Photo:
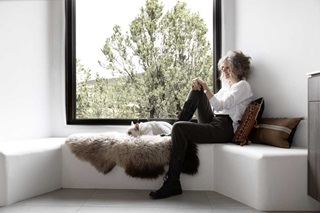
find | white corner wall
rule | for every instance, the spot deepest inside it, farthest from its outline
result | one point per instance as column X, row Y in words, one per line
column 25, row 66
column 282, row 37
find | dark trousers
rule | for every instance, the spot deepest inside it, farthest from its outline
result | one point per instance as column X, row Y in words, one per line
column 209, row 129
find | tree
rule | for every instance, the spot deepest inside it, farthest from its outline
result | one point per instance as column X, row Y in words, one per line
column 154, row 62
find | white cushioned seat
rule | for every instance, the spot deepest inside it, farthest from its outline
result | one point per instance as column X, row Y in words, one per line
column 264, row 177
column 80, row 174
column 29, row 168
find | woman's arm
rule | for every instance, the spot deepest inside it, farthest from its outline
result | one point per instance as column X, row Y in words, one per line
column 237, row 93
column 198, row 84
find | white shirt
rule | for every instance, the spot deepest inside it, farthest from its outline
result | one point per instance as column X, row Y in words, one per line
column 232, row 100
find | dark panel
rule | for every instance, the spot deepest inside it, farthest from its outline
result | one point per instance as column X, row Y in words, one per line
column 312, row 175
column 314, row 137
column 314, row 87
column 314, row 126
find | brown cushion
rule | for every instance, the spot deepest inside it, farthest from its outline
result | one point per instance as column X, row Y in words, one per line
column 277, row 132
column 250, row 117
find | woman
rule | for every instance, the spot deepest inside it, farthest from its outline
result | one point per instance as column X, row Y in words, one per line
column 218, row 115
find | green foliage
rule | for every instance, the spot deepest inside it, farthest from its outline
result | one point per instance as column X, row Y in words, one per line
column 152, row 65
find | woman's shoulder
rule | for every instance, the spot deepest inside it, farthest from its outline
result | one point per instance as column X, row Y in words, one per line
column 243, row 83
column 243, row 87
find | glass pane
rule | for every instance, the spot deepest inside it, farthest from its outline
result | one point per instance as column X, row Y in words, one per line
column 135, row 59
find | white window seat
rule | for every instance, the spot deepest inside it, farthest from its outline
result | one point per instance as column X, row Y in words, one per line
column 263, row 177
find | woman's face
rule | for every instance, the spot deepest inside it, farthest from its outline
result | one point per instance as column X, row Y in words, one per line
column 226, row 70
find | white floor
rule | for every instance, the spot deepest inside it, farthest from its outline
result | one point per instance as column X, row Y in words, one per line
column 97, row 200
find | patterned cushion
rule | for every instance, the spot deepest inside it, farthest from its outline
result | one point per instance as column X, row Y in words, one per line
column 251, row 116
column 277, row 132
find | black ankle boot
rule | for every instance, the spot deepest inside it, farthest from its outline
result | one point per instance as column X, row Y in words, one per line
column 171, row 185
column 187, row 111
column 170, row 188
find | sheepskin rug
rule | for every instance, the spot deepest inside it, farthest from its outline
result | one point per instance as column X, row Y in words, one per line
column 141, row 157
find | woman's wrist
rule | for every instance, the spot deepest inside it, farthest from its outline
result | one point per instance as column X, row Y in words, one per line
column 208, row 93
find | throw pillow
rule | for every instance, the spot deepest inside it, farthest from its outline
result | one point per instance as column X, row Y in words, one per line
column 251, row 116
column 277, row 132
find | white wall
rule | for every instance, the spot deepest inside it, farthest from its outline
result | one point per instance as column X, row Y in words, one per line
column 282, row 37
column 25, row 69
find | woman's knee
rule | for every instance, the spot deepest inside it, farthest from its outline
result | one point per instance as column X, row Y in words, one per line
column 180, row 130
column 194, row 95
column 179, row 136
column 178, row 126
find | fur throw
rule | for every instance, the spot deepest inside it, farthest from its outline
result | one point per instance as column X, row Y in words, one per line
column 141, row 157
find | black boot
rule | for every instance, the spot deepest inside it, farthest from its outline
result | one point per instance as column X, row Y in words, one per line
column 171, row 185
column 187, row 111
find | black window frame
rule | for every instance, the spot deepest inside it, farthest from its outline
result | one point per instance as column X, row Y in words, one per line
column 70, row 66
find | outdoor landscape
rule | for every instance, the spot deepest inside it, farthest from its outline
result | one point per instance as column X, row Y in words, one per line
column 149, row 66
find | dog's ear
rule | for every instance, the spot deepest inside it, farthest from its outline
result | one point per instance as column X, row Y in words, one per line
column 137, row 126
column 132, row 123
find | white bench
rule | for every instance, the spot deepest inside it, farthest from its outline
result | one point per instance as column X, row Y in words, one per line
column 80, row 174
column 263, row 177
column 29, row 168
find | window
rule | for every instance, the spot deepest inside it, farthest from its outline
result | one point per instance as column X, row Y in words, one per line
column 134, row 62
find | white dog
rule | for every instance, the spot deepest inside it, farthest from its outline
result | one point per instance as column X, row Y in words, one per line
column 149, row 128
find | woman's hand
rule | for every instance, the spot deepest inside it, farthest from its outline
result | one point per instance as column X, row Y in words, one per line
column 198, row 84
column 195, row 84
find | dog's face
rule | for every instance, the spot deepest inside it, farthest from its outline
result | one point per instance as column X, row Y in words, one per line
column 133, row 130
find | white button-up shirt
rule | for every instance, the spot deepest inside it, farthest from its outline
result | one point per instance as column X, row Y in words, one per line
column 232, row 100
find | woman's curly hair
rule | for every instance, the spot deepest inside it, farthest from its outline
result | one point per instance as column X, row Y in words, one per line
column 239, row 64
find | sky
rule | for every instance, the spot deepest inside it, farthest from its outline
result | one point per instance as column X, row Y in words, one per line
column 95, row 19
